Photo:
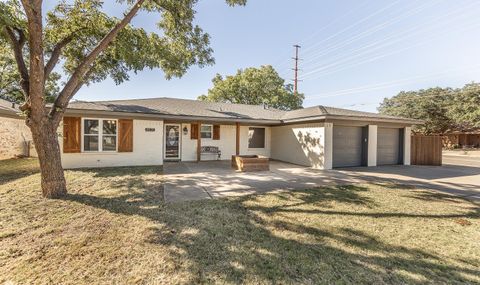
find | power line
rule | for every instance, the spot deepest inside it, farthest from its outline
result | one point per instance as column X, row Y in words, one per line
column 336, row 19
column 395, row 83
column 372, row 47
column 371, row 59
column 307, row 50
column 336, row 46
column 352, row 25
column 356, row 59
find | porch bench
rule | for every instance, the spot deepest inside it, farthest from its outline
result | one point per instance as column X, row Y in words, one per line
column 211, row 150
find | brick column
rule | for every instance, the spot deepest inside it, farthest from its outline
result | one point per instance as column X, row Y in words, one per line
column 372, row 145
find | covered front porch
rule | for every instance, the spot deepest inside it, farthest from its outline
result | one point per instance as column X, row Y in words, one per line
column 195, row 141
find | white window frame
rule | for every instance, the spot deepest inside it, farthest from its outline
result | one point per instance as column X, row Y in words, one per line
column 264, row 138
column 211, row 131
column 100, row 136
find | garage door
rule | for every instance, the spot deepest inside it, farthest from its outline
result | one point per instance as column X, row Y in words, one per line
column 347, row 146
column 388, row 146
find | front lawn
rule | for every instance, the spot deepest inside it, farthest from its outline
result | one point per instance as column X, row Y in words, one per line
column 114, row 228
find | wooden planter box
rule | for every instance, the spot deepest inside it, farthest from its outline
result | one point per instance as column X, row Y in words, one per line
column 250, row 163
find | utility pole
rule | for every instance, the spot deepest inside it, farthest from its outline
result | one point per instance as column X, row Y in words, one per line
column 295, row 81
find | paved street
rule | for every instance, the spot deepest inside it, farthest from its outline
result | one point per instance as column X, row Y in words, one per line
column 461, row 160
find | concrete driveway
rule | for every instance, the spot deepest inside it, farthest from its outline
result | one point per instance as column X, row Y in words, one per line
column 204, row 180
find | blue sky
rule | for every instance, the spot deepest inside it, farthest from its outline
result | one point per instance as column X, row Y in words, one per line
column 354, row 53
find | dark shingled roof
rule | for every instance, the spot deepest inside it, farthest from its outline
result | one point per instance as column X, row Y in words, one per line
column 184, row 107
column 317, row 111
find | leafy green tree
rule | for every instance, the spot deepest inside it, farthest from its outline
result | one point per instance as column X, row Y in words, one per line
column 254, row 86
column 90, row 45
column 9, row 77
column 430, row 105
column 465, row 108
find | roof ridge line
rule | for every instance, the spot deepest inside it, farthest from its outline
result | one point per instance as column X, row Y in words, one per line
column 182, row 99
column 323, row 109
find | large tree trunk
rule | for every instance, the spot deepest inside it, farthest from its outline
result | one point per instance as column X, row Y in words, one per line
column 46, row 143
column 42, row 123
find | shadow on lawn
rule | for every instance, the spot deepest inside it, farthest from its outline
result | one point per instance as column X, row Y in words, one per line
column 107, row 172
column 138, row 196
column 243, row 243
column 231, row 240
column 17, row 168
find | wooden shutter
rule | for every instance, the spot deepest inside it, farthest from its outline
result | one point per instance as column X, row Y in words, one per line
column 71, row 134
column 125, row 135
column 194, row 130
column 216, row 132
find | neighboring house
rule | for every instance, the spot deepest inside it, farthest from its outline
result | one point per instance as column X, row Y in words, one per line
column 151, row 131
column 459, row 139
column 15, row 136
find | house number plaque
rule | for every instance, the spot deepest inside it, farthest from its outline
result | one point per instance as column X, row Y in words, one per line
column 149, row 129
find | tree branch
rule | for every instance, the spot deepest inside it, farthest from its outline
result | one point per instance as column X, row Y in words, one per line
column 72, row 85
column 81, row 82
column 17, row 45
column 57, row 50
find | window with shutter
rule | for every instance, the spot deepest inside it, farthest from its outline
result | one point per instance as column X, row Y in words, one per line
column 99, row 135
column 206, row 131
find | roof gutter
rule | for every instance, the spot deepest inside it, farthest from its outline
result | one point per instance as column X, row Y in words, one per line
column 354, row 118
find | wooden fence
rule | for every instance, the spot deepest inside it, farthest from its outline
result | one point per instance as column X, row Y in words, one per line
column 426, row 150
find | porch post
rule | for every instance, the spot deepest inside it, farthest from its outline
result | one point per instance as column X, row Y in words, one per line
column 237, row 139
column 199, row 141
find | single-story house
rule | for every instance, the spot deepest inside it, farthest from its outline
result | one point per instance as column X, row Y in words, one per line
column 151, row 131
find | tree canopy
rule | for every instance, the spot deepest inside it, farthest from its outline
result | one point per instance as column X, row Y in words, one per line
column 73, row 29
column 10, row 88
column 254, row 86
column 442, row 109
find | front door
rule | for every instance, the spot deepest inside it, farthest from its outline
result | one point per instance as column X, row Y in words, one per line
column 172, row 142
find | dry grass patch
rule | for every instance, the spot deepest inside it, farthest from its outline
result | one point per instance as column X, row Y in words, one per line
column 114, row 228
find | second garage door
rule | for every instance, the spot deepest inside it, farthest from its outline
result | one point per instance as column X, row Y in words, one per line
column 347, row 146
column 388, row 146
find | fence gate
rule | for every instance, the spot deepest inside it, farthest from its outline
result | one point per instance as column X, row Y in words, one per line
column 426, row 150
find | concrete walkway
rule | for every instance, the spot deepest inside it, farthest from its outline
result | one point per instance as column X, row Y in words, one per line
column 179, row 185
column 205, row 180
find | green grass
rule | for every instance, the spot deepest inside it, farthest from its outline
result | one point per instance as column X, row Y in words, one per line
column 114, row 228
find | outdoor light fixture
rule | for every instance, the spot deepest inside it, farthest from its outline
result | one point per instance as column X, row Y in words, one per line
column 185, row 131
